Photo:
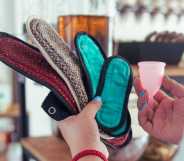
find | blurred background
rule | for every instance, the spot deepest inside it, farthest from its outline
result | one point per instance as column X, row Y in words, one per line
column 135, row 29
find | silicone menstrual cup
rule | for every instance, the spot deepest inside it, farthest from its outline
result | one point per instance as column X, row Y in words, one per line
column 151, row 75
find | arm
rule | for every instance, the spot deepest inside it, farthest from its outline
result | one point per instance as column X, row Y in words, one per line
column 81, row 131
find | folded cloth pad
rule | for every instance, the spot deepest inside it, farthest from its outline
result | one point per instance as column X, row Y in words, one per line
column 91, row 57
column 114, row 87
column 27, row 60
column 58, row 55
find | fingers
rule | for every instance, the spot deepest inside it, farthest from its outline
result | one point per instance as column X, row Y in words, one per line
column 175, row 88
column 143, row 100
column 64, row 122
column 161, row 95
column 90, row 111
column 92, row 107
column 138, row 86
column 143, row 97
column 146, row 117
column 146, row 112
column 165, row 111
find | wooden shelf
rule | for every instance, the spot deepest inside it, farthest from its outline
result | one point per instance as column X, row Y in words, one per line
column 3, row 157
column 170, row 70
column 9, row 114
column 52, row 148
column 46, row 149
column 13, row 111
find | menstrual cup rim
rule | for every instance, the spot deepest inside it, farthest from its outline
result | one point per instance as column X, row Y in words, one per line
column 151, row 63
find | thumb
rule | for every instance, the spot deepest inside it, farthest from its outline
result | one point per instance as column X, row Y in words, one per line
column 92, row 107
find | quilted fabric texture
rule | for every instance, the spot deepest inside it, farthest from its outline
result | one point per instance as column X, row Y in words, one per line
column 58, row 55
column 27, row 60
column 92, row 58
column 114, row 88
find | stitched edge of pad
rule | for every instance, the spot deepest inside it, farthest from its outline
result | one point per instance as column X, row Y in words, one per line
column 82, row 54
column 105, row 126
column 124, row 128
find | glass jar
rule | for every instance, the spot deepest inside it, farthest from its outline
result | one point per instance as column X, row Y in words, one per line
column 92, row 16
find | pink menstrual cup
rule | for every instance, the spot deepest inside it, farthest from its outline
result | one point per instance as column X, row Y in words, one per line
column 151, row 75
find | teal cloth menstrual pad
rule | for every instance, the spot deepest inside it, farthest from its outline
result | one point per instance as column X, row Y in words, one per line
column 92, row 58
column 109, row 78
column 114, row 88
column 125, row 127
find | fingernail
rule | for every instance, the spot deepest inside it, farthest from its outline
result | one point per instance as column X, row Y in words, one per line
column 98, row 99
column 134, row 77
column 141, row 94
column 144, row 106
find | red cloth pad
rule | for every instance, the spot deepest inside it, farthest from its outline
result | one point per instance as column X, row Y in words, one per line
column 119, row 141
column 27, row 60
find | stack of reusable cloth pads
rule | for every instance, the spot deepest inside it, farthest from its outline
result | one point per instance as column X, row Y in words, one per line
column 74, row 77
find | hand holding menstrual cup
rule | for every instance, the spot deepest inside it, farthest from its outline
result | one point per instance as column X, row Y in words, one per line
column 151, row 75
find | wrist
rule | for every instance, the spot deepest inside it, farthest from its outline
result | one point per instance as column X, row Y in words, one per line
column 90, row 158
column 90, row 154
column 80, row 147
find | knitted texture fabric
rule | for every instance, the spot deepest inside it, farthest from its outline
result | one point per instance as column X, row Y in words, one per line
column 58, row 55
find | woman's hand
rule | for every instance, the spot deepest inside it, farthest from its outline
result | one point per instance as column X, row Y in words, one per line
column 81, row 131
column 164, row 117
